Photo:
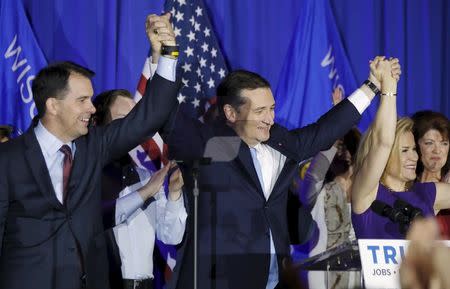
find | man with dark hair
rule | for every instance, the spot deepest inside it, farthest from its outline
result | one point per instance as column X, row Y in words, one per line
column 131, row 242
column 50, row 193
column 242, row 219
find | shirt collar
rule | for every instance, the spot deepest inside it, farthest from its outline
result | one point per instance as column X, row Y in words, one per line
column 49, row 143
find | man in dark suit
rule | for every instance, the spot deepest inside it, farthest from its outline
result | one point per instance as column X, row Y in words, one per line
column 50, row 209
column 242, row 219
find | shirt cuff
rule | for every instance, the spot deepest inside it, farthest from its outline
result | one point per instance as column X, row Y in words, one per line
column 153, row 67
column 360, row 100
column 127, row 205
column 167, row 68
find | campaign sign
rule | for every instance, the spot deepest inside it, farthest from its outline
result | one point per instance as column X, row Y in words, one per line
column 380, row 260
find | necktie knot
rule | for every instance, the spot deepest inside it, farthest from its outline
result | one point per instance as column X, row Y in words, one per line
column 66, row 150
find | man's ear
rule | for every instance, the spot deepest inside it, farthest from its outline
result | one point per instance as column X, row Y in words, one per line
column 230, row 113
column 51, row 106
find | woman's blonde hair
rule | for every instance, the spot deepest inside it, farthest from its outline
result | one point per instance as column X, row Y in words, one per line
column 404, row 124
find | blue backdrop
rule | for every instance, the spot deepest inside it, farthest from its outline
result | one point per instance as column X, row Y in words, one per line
column 108, row 36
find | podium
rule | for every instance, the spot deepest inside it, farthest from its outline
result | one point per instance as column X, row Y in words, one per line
column 344, row 257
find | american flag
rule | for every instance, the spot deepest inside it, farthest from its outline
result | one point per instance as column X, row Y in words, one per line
column 201, row 64
column 201, row 67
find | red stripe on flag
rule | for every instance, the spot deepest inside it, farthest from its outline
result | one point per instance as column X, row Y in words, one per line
column 142, row 84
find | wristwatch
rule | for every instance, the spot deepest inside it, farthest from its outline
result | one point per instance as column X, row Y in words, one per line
column 173, row 51
column 372, row 86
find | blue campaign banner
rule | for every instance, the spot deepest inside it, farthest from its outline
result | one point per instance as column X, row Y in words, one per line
column 21, row 58
column 315, row 65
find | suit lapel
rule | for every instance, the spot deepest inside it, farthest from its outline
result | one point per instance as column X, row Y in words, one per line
column 39, row 169
column 244, row 158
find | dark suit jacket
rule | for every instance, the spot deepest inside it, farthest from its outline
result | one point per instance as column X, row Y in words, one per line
column 38, row 234
column 234, row 217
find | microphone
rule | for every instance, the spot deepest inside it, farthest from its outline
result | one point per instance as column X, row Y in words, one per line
column 385, row 210
column 407, row 209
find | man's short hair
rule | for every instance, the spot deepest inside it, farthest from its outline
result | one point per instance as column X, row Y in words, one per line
column 230, row 88
column 52, row 82
column 103, row 102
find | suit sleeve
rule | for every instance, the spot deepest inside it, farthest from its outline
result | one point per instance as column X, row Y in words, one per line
column 146, row 118
column 315, row 176
column 307, row 141
column 187, row 138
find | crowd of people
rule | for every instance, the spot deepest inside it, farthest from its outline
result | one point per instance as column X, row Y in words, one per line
column 77, row 212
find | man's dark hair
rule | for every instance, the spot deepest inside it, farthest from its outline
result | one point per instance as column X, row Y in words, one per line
column 52, row 81
column 103, row 102
column 424, row 120
column 230, row 88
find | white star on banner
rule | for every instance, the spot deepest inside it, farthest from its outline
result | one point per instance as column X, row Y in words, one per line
column 191, row 36
column 199, row 11
column 212, row 67
column 177, row 31
column 214, row 52
column 196, row 102
column 197, row 26
column 205, row 47
column 202, row 62
column 185, row 82
column 181, row 98
column 189, row 51
column 186, row 67
column 207, row 32
column 197, row 87
column 222, row 73
column 182, row 2
column 179, row 16
column 211, row 82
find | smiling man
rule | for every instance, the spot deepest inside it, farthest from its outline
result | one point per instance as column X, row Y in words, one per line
column 50, row 193
column 242, row 206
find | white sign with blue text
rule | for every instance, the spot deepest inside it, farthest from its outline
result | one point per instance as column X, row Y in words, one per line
column 380, row 260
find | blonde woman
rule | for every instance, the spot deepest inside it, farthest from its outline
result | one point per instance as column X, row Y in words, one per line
column 385, row 166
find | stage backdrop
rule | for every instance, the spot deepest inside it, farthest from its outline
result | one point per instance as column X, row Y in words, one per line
column 108, row 36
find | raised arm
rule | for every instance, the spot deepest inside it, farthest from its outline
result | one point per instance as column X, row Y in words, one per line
column 379, row 138
column 315, row 176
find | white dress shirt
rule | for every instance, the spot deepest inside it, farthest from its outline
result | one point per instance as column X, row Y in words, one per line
column 135, row 236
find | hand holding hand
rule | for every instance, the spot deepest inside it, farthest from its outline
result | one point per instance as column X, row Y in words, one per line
column 159, row 32
column 154, row 184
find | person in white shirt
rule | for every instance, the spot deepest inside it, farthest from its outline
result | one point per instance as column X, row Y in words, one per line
column 131, row 241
